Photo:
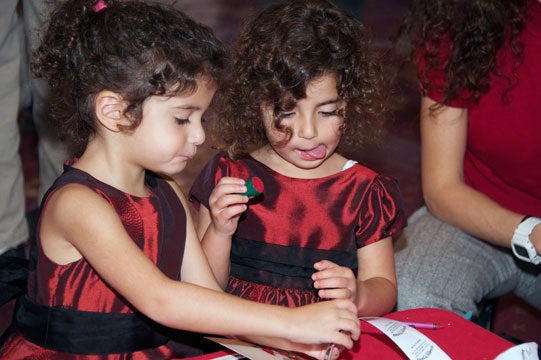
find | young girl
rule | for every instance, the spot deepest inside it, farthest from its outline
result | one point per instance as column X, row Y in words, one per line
column 131, row 82
column 304, row 81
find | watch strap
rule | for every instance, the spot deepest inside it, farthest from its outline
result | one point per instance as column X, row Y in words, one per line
column 522, row 232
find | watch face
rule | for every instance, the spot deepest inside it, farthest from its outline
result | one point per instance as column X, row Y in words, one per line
column 521, row 251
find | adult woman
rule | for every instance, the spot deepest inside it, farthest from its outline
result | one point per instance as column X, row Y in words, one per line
column 477, row 64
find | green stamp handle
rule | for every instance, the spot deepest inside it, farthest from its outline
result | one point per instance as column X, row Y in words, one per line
column 255, row 186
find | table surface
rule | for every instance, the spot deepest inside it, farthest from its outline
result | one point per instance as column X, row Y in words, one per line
column 458, row 337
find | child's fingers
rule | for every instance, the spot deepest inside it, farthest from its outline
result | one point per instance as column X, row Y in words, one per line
column 347, row 335
column 228, row 186
column 344, row 278
column 223, row 202
column 231, row 180
column 341, row 293
column 230, row 212
column 341, row 287
column 350, row 330
column 348, row 322
column 335, row 277
column 324, row 264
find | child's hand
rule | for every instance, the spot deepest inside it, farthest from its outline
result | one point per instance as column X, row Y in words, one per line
column 318, row 351
column 334, row 282
column 227, row 204
column 326, row 322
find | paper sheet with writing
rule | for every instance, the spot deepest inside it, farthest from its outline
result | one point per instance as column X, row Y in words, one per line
column 413, row 343
column 525, row 351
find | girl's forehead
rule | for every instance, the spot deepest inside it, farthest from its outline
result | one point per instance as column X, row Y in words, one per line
column 325, row 83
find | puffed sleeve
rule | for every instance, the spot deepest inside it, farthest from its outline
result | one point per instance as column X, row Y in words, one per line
column 212, row 172
column 382, row 212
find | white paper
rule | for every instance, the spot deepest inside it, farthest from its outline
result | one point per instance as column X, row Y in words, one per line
column 255, row 352
column 229, row 357
column 526, row 351
column 412, row 342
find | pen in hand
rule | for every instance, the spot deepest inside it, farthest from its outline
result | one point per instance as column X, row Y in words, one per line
column 328, row 353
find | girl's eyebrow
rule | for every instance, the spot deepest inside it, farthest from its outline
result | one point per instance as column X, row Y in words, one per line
column 334, row 101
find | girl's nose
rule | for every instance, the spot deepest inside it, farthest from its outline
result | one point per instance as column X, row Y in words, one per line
column 308, row 129
column 198, row 135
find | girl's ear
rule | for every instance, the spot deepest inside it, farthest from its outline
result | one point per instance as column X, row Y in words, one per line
column 110, row 110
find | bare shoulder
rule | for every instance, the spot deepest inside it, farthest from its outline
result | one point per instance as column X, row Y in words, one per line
column 70, row 215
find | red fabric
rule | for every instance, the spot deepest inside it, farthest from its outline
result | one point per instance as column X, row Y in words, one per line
column 78, row 286
column 297, row 222
column 503, row 148
column 270, row 294
column 459, row 338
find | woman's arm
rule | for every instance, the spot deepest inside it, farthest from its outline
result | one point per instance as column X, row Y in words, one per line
column 444, row 136
column 97, row 234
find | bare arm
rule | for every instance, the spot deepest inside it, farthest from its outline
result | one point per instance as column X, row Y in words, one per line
column 443, row 136
column 376, row 284
column 98, row 235
column 217, row 225
column 217, row 248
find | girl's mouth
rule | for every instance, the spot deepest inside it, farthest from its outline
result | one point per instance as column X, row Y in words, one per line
column 316, row 153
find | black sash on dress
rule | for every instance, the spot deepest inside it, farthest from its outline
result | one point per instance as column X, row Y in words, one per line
column 86, row 332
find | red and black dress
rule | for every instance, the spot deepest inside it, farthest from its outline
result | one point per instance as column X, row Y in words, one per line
column 71, row 313
column 297, row 222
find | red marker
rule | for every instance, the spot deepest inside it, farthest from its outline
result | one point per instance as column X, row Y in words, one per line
column 255, row 186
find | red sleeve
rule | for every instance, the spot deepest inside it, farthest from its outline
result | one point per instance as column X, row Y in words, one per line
column 432, row 83
column 383, row 212
column 212, row 172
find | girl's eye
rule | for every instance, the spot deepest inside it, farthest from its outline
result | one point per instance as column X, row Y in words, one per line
column 182, row 121
column 330, row 113
column 286, row 115
column 335, row 112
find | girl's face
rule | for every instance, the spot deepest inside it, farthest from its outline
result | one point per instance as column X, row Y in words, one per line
column 171, row 130
column 315, row 124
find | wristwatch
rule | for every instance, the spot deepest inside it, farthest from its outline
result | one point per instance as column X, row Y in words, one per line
column 521, row 244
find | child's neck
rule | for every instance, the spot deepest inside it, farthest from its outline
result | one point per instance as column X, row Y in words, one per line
column 122, row 176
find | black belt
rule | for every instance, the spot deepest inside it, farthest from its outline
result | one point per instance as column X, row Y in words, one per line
column 86, row 332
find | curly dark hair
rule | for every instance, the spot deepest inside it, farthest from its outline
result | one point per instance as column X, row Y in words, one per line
column 462, row 38
column 133, row 48
column 280, row 52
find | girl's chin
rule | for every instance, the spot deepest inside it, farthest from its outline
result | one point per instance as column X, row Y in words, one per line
column 171, row 170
